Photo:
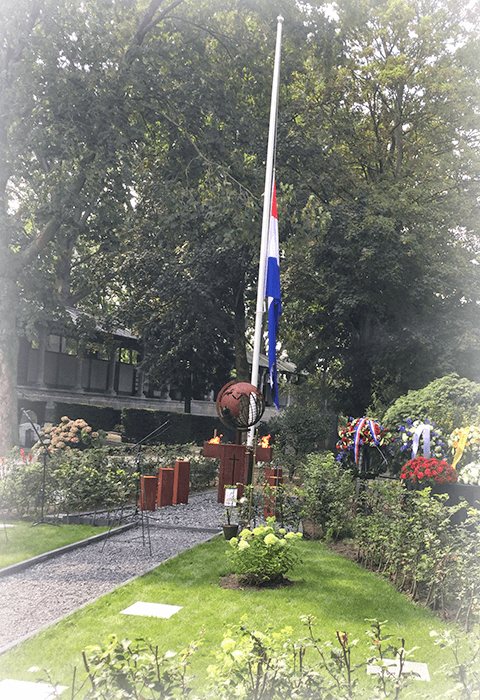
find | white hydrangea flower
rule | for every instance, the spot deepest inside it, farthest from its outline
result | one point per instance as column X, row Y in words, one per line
column 270, row 539
column 228, row 644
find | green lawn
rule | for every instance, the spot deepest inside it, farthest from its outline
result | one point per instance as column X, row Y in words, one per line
column 23, row 541
column 339, row 593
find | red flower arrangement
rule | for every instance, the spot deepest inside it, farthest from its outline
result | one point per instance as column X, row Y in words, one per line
column 430, row 471
column 347, row 436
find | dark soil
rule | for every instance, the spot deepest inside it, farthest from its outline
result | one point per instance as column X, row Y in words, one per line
column 234, row 583
column 346, row 549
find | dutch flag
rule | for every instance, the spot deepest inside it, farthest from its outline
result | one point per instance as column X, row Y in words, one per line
column 272, row 292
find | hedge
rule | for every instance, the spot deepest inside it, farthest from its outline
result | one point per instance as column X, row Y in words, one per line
column 99, row 417
column 182, row 427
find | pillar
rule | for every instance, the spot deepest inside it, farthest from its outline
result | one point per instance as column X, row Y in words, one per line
column 42, row 347
column 165, row 487
column 181, row 482
column 111, row 372
column 148, row 492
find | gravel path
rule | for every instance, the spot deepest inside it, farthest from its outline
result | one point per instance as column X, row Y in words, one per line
column 45, row 592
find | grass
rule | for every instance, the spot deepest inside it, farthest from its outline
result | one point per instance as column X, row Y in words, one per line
column 22, row 541
column 339, row 593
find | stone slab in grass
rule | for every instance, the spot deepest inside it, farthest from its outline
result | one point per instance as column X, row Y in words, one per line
column 418, row 669
column 152, row 610
column 26, row 690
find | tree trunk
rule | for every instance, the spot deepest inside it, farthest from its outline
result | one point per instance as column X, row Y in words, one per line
column 8, row 359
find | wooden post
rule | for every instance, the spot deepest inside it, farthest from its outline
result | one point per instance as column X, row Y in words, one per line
column 148, row 492
column 165, row 487
column 181, row 482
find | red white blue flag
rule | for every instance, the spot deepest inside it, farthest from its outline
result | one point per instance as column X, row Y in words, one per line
column 272, row 292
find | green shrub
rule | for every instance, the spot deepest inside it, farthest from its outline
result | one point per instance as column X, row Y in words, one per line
column 409, row 537
column 22, row 484
column 304, row 426
column 326, row 494
column 74, row 481
column 450, row 402
column 203, row 472
column 264, row 554
column 254, row 664
column 125, row 670
column 93, row 480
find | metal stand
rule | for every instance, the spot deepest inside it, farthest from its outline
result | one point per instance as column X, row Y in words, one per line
column 42, row 521
column 139, row 468
column 46, row 454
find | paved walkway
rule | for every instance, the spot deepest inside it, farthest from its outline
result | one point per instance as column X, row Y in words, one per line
column 46, row 591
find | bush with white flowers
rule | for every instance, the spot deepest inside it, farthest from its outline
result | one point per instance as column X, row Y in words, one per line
column 264, row 554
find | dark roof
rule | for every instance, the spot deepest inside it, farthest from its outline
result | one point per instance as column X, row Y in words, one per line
column 121, row 332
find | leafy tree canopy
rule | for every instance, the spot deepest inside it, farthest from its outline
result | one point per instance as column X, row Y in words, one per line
column 387, row 140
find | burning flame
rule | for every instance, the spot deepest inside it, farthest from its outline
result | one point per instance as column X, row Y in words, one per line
column 215, row 440
column 264, row 441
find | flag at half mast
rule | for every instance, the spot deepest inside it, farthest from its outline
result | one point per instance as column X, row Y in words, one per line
column 272, row 292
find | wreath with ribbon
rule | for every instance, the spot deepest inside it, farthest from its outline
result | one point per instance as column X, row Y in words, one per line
column 421, row 433
column 361, row 432
column 465, row 442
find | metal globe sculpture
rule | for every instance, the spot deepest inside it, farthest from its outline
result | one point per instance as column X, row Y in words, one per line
column 240, row 405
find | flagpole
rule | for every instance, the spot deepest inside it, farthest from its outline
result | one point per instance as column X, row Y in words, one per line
column 266, row 215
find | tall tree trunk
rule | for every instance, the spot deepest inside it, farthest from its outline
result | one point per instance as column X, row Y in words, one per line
column 8, row 358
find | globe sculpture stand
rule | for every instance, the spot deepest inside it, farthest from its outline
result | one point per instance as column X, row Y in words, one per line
column 240, row 405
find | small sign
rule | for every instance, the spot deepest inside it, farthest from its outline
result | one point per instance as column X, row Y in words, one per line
column 152, row 610
column 230, row 498
column 418, row 670
column 27, row 690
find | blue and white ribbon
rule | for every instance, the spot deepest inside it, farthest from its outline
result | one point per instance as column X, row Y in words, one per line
column 422, row 430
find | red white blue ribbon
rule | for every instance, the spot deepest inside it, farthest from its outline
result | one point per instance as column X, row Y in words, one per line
column 357, row 439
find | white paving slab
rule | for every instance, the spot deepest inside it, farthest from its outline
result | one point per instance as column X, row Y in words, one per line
column 152, row 610
column 26, row 690
column 419, row 669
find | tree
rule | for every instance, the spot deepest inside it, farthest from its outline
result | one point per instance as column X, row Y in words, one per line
column 196, row 225
column 388, row 146
column 65, row 137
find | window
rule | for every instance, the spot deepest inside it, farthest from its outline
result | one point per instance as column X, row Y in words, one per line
column 66, row 346
column 54, row 343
